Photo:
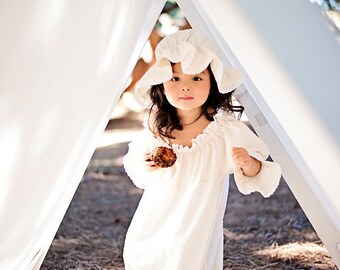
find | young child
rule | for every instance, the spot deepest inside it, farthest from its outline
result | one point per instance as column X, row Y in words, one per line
column 178, row 224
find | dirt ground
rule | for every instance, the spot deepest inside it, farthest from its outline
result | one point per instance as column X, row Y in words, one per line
column 260, row 233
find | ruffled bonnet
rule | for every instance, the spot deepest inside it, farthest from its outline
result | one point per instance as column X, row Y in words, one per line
column 195, row 52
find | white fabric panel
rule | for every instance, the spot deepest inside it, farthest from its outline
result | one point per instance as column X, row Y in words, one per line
column 290, row 94
column 63, row 66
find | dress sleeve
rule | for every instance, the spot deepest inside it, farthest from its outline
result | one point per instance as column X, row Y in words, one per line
column 133, row 161
column 268, row 178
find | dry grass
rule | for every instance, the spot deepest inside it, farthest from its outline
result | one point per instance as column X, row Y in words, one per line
column 312, row 256
column 259, row 233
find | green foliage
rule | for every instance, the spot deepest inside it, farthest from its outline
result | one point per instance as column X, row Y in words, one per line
column 333, row 5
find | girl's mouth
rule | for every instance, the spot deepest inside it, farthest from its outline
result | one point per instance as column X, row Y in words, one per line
column 186, row 98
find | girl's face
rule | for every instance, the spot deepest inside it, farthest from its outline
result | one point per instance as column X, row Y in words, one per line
column 187, row 92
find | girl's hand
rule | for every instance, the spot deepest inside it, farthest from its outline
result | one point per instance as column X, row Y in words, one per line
column 248, row 165
column 148, row 163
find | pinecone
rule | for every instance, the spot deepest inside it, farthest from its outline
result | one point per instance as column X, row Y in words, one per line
column 163, row 157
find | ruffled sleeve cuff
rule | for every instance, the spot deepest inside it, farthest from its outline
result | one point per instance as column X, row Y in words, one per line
column 266, row 181
column 135, row 170
column 133, row 161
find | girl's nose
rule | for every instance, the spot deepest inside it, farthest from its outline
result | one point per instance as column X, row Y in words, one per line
column 185, row 88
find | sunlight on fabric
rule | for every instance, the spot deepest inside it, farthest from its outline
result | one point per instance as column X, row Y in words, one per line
column 10, row 139
column 122, row 15
column 46, row 16
column 44, row 130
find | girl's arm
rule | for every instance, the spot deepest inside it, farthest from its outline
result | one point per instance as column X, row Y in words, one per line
column 252, row 170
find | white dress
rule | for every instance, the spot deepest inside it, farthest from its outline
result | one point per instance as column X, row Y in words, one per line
column 178, row 224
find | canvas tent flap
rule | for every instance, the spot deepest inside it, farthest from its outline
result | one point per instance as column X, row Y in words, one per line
column 63, row 67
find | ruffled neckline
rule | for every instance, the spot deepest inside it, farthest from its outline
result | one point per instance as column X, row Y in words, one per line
column 220, row 118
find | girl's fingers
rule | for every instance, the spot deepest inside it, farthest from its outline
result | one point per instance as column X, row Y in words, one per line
column 241, row 161
column 148, row 163
column 147, row 157
column 239, row 151
column 150, row 166
column 240, row 156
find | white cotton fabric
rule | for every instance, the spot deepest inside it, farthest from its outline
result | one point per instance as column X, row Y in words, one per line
column 178, row 224
column 195, row 52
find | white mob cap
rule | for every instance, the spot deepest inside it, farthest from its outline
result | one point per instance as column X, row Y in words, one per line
column 195, row 52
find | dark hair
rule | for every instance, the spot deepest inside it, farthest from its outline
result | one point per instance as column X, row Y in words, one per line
column 166, row 119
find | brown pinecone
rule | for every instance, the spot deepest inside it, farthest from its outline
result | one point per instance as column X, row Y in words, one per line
column 163, row 157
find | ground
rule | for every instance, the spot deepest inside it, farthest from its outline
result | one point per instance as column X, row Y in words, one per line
column 259, row 233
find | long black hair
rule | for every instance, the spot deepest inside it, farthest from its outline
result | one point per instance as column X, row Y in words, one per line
column 166, row 119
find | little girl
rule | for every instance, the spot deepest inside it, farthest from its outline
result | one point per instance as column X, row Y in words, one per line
column 178, row 224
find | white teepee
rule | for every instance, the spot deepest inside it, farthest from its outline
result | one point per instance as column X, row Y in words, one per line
column 64, row 65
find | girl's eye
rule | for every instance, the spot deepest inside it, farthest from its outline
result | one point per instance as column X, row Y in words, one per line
column 175, row 79
column 196, row 79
